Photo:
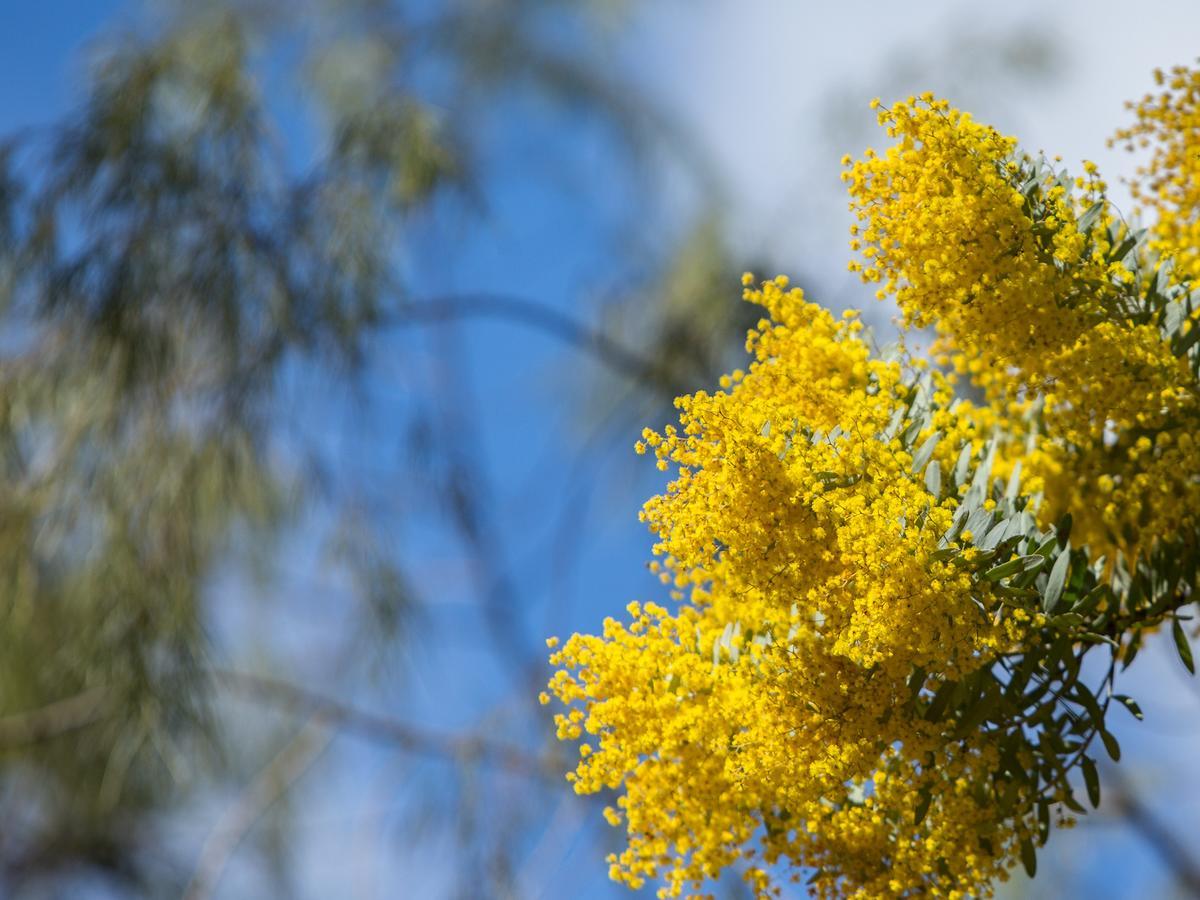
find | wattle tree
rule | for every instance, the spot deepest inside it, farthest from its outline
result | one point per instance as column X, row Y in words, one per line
column 904, row 584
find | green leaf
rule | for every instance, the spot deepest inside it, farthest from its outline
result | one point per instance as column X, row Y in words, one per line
column 1092, row 638
column 1083, row 696
column 1088, row 601
column 1013, row 566
column 1069, row 801
column 1091, row 778
column 1058, row 578
column 1119, row 252
column 979, row 523
column 933, row 478
column 925, row 451
column 1131, row 650
column 975, row 716
column 1029, row 857
column 1111, row 745
column 1130, row 704
column 1014, row 482
column 1182, row 645
column 1008, row 797
column 925, row 798
column 963, row 467
column 994, row 535
column 1043, row 819
column 1045, row 547
column 1063, row 532
column 916, row 681
column 1086, row 221
column 941, row 699
column 983, row 474
column 1181, row 344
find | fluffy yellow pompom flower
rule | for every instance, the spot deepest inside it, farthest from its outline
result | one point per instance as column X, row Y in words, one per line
column 884, row 592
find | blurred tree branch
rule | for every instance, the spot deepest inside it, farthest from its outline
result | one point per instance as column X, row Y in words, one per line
column 54, row 719
column 1157, row 836
column 169, row 273
column 296, row 757
column 301, row 700
column 612, row 353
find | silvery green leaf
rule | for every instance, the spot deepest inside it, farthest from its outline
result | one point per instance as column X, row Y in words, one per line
column 1014, row 482
column 1057, row 580
column 979, row 523
column 963, row 467
column 925, row 451
column 933, row 478
column 1090, row 217
column 994, row 535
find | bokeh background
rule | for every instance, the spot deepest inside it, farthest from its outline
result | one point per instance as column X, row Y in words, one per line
column 328, row 327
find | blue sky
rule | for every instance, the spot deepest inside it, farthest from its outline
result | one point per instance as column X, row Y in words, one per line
column 768, row 89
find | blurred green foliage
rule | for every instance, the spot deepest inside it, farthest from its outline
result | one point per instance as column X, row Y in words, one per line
column 162, row 263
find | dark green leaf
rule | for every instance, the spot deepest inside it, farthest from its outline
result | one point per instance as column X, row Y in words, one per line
column 1013, row 566
column 1092, row 638
column 925, row 798
column 916, row 681
column 1029, row 857
column 979, row 711
column 1091, row 779
column 1063, row 532
column 1058, row 578
column 1069, row 801
column 1045, row 547
column 940, row 700
column 1066, row 621
column 1119, row 252
column 1182, row 645
column 1088, row 601
column 1130, row 704
column 1131, row 650
column 1181, row 344
column 1043, row 819
column 1111, row 745
column 1083, row 696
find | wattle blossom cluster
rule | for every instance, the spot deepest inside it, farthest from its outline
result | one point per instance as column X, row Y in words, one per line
column 1169, row 185
column 870, row 675
column 1043, row 292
